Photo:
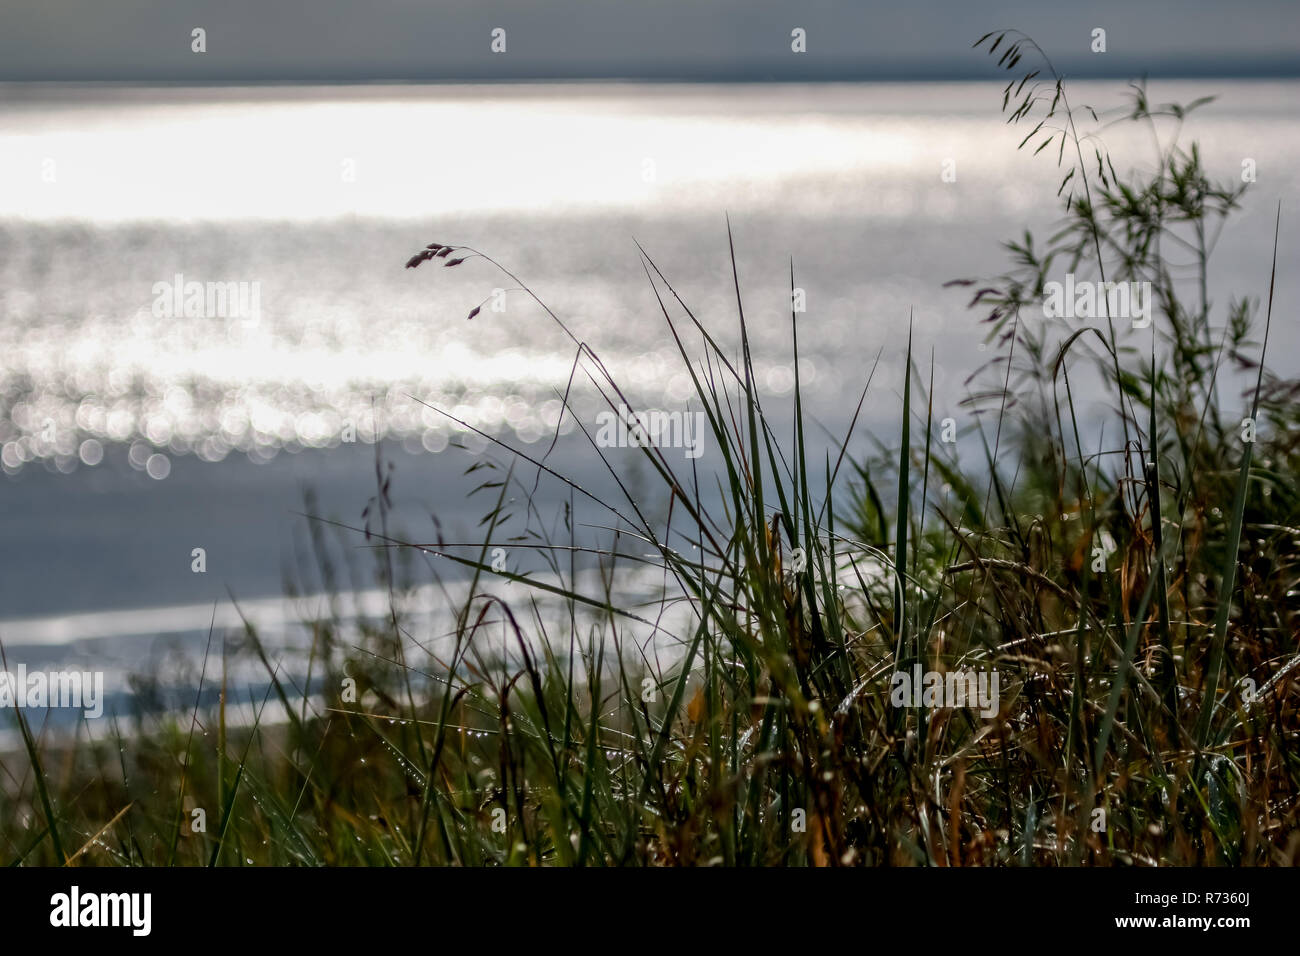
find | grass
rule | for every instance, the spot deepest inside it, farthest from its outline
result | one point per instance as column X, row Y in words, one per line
column 1136, row 597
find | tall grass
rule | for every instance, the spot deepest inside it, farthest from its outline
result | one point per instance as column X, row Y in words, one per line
column 1136, row 597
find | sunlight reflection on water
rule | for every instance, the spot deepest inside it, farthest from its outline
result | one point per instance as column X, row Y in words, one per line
column 319, row 196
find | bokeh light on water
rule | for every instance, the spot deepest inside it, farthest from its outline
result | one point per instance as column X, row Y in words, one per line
column 224, row 186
